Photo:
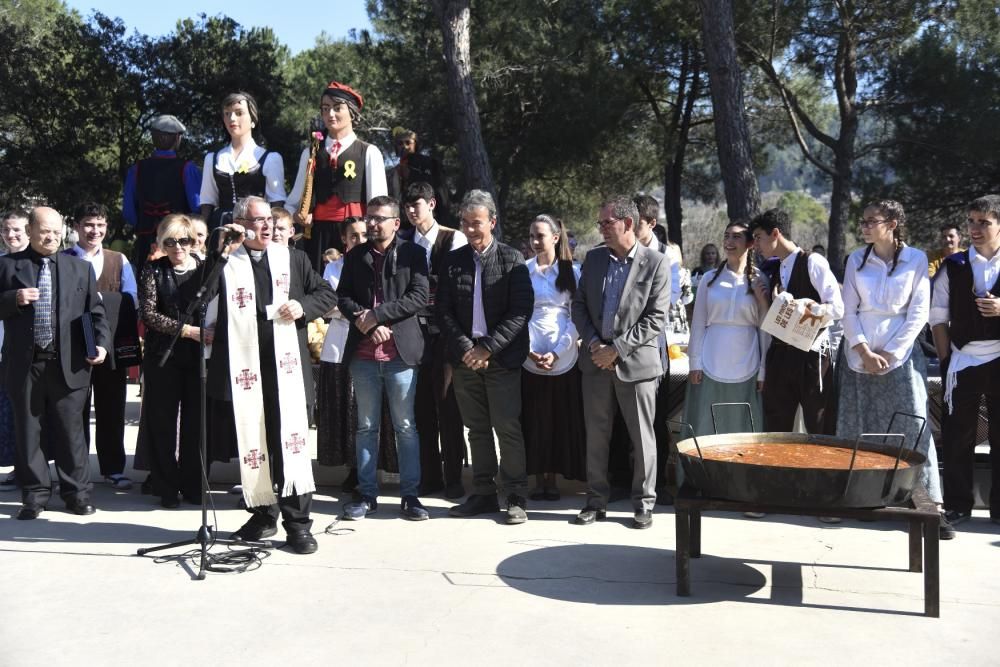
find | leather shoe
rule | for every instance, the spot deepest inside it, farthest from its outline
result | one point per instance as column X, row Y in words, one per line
column 642, row 519
column 29, row 512
column 170, row 501
column 589, row 515
column 254, row 531
column 302, row 542
column 80, row 507
column 476, row 504
column 412, row 509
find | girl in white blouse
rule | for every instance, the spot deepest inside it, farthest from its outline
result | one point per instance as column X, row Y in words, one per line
column 726, row 348
column 241, row 168
column 886, row 305
column 551, row 398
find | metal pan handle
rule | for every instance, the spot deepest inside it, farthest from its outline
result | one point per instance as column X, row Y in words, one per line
column 899, row 454
column 715, row 427
column 854, row 454
column 701, row 459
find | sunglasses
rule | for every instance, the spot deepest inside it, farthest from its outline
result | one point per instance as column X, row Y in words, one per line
column 170, row 243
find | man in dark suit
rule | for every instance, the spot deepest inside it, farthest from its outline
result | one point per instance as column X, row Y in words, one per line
column 484, row 302
column 620, row 309
column 46, row 366
column 306, row 297
column 383, row 287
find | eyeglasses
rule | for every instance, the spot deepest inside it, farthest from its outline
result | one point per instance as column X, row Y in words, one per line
column 868, row 223
column 608, row 222
column 171, row 243
column 379, row 219
column 260, row 220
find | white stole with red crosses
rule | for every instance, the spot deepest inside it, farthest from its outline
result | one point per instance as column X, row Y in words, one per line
column 245, row 372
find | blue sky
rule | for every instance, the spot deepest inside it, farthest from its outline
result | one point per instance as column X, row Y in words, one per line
column 296, row 22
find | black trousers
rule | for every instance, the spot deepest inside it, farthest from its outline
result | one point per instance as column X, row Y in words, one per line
column 107, row 392
column 959, row 436
column 438, row 416
column 45, row 398
column 166, row 389
column 793, row 378
column 322, row 236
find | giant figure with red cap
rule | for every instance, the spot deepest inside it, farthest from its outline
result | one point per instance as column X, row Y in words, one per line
column 347, row 173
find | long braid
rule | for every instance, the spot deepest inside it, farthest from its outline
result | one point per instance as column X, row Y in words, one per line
column 864, row 259
column 748, row 272
column 718, row 272
column 899, row 249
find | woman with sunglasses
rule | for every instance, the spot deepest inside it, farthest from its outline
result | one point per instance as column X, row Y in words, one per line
column 166, row 288
column 886, row 305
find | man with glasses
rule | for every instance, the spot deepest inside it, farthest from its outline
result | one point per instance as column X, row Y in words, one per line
column 117, row 287
column 965, row 321
column 382, row 289
column 484, row 302
column 796, row 377
column 259, row 371
column 346, row 174
column 620, row 309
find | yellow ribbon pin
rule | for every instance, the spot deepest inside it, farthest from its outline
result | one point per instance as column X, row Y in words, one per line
column 349, row 169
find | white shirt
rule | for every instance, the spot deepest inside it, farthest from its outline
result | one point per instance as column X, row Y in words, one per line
column 248, row 159
column 427, row 242
column 822, row 280
column 984, row 277
column 336, row 332
column 726, row 343
column 885, row 311
column 551, row 328
column 374, row 172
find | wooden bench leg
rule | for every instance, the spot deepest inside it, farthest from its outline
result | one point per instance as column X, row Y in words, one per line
column 696, row 534
column 682, row 555
column 932, row 568
column 916, row 545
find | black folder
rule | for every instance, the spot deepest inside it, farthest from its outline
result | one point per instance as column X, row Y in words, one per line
column 89, row 337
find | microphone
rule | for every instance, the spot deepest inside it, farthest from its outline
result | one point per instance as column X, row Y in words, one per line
column 231, row 236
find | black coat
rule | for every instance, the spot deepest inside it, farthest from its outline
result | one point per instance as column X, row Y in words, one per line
column 307, row 287
column 76, row 294
column 508, row 300
column 405, row 290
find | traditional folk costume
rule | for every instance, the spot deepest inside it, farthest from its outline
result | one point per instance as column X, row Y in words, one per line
column 887, row 307
column 227, row 178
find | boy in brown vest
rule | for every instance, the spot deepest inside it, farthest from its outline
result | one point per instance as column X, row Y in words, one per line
column 117, row 286
column 796, row 377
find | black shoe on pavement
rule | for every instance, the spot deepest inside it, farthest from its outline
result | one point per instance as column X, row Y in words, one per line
column 954, row 517
column 643, row 519
column 411, row 509
column 29, row 512
column 80, row 507
column 170, row 501
column 359, row 509
column 476, row 504
column 946, row 531
column 255, row 530
column 516, row 506
column 589, row 515
column 302, row 542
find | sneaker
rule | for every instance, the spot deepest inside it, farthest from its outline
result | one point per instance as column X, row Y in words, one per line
column 476, row 504
column 830, row 519
column 946, row 531
column 954, row 517
column 515, row 509
column 118, row 482
column 411, row 509
column 9, row 483
column 255, row 530
column 358, row 510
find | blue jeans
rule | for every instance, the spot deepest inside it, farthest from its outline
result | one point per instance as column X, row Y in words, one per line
column 399, row 381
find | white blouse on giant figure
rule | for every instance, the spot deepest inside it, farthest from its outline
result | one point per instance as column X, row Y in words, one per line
column 886, row 311
column 726, row 343
column 551, row 328
column 336, row 332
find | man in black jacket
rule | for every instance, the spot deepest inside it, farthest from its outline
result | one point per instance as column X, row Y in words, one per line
column 44, row 296
column 484, row 302
column 382, row 289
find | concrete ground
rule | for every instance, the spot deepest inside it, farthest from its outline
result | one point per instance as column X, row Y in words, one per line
column 384, row 591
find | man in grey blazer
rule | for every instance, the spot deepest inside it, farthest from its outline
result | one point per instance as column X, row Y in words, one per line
column 620, row 308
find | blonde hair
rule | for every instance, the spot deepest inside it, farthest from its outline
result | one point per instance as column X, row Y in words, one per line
column 174, row 226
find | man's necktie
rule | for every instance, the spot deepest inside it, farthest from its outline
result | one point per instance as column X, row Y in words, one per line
column 43, row 307
column 334, row 150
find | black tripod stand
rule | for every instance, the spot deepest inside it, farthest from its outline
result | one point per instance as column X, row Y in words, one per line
column 204, row 538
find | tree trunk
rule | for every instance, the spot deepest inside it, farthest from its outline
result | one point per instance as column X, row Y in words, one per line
column 840, row 197
column 731, row 132
column 454, row 18
column 688, row 93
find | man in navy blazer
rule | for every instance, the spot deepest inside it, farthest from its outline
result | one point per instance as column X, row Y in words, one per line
column 383, row 288
column 46, row 365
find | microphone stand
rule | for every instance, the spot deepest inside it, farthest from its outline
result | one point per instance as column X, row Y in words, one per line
column 204, row 537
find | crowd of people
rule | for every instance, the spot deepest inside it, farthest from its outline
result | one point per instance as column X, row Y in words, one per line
column 553, row 367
